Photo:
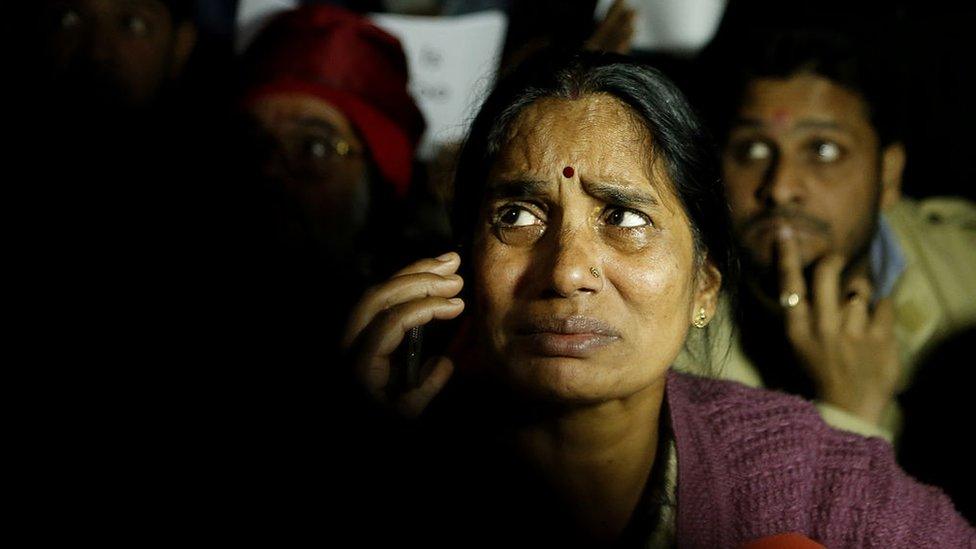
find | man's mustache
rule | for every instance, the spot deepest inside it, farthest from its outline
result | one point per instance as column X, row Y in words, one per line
column 788, row 215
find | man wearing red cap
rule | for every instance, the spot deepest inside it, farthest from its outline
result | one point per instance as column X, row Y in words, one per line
column 328, row 91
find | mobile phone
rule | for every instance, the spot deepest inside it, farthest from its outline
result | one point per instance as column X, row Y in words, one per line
column 419, row 344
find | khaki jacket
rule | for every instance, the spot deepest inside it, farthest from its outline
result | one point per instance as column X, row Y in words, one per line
column 934, row 298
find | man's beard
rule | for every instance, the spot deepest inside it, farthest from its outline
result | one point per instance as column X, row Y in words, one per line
column 763, row 278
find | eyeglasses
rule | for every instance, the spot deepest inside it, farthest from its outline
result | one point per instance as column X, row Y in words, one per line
column 316, row 154
column 309, row 153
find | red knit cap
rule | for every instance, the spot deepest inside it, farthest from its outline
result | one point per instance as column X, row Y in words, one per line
column 336, row 55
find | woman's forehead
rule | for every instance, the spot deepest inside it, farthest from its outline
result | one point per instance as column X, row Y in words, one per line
column 590, row 109
column 597, row 135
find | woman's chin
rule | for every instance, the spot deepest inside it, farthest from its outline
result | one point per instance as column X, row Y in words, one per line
column 565, row 380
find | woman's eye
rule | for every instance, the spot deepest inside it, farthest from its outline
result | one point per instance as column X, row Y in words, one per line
column 517, row 217
column 620, row 217
column 827, row 151
column 317, row 149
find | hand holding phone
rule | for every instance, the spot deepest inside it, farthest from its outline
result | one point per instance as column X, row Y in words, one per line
column 383, row 318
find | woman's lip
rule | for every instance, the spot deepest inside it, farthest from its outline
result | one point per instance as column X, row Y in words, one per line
column 576, row 345
column 569, row 325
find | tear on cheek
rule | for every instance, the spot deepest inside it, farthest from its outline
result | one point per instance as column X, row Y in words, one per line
column 520, row 236
column 629, row 241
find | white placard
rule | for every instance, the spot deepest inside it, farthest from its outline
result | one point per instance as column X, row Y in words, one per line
column 452, row 62
column 677, row 26
column 253, row 15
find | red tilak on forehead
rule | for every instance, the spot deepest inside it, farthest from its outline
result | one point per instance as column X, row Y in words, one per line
column 781, row 117
column 568, row 172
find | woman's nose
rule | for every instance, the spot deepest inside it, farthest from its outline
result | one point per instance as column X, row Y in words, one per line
column 576, row 268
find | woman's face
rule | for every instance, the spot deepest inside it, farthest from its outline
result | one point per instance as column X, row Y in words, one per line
column 318, row 159
column 584, row 259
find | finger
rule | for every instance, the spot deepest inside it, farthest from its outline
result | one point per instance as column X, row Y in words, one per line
column 599, row 36
column 790, row 262
column 617, row 8
column 616, row 22
column 444, row 264
column 629, row 21
column 624, row 35
column 414, row 402
column 386, row 333
column 826, row 293
column 790, row 267
column 604, row 37
column 855, row 309
column 881, row 330
column 396, row 291
column 883, row 318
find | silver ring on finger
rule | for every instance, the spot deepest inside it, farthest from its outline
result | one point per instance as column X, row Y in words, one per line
column 788, row 300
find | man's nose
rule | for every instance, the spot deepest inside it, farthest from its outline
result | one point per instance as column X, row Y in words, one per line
column 784, row 183
column 576, row 267
column 102, row 45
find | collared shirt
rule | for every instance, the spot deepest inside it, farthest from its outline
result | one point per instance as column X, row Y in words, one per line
column 887, row 259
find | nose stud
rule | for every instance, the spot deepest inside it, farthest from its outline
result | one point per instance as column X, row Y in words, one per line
column 594, row 272
column 568, row 172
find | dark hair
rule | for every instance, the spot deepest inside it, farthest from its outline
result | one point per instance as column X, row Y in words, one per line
column 678, row 138
column 856, row 63
column 181, row 10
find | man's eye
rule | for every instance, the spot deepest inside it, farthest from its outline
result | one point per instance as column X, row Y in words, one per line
column 136, row 25
column 69, row 20
column 621, row 217
column 517, row 217
column 756, row 150
column 750, row 150
column 827, row 151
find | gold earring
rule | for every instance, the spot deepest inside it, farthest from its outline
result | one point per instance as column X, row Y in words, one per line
column 701, row 320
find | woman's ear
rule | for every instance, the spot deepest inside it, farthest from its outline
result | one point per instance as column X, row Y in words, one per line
column 708, row 287
column 892, row 166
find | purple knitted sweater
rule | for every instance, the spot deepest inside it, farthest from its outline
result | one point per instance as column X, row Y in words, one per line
column 754, row 463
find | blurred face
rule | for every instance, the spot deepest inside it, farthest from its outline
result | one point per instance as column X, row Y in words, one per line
column 804, row 155
column 318, row 159
column 116, row 50
column 584, row 263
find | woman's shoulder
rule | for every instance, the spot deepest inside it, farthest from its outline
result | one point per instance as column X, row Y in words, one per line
column 756, row 429
column 769, row 425
column 762, row 426
column 780, row 468
column 727, row 402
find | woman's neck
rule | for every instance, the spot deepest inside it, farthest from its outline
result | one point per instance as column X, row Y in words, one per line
column 597, row 458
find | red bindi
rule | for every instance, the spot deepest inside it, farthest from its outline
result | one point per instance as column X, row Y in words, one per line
column 781, row 117
column 568, row 172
